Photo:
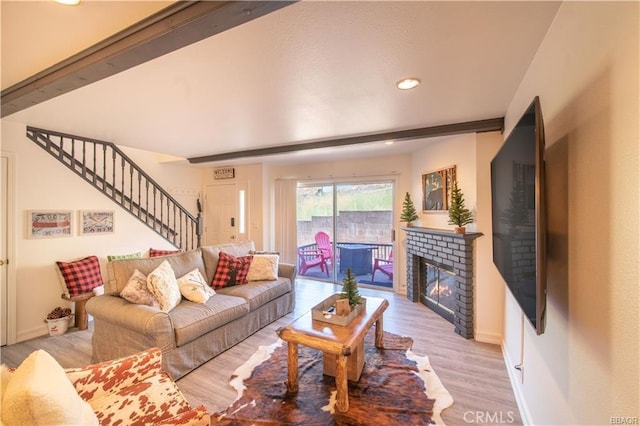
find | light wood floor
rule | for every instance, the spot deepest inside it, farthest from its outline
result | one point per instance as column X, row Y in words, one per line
column 473, row 372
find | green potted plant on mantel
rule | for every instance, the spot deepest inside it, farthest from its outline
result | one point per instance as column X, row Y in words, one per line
column 409, row 213
column 459, row 215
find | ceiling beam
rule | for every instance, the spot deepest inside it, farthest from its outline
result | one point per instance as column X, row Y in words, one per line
column 180, row 24
column 488, row 125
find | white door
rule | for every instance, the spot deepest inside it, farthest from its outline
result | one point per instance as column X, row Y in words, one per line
column 4, row 179
column 220, row 214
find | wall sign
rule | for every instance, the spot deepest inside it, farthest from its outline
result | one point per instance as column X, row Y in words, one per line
column 224, row 173
column 96, row 222
column 49, row 223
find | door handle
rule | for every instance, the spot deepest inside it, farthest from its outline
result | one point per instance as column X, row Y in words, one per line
column 2, row 262
column 233, row 221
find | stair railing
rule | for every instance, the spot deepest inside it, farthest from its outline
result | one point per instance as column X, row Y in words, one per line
column 108, row 169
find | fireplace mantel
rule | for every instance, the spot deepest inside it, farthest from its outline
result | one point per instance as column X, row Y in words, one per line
column 419, row 229
column 448, row 248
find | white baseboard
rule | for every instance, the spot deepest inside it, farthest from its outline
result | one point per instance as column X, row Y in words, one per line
column 32, row 333
column 514, row 378
column 492, row 338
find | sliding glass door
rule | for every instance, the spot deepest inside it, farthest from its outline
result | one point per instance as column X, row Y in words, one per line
column 346, row 226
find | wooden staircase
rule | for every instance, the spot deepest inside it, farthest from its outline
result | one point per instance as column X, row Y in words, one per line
column 109, row 170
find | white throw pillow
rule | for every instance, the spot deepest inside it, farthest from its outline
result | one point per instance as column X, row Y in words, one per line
column 163, row 284
column 39, row 392
column 194, row 287
column 136, row 291
column 263, row 267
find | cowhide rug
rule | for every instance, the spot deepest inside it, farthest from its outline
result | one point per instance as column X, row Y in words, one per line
column 396, row 387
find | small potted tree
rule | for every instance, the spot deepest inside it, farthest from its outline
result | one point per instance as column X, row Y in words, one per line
column 409, row 213
column 459, row 215
column 341, row 308
column 350, row 299
column 350, row 289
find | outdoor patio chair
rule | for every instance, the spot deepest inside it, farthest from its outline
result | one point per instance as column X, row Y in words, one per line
column 383, row 265
column 324, row 245
column 310, row 259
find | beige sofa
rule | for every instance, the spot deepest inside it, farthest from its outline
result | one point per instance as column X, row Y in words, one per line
column 192, row 333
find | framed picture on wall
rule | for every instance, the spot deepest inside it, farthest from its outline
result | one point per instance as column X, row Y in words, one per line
column 49, row 223
column 436, row 189
column 94, row 222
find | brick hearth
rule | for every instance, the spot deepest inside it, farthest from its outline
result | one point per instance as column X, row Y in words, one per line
column 447, row 248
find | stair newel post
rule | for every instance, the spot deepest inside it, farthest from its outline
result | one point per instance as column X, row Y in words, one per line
column 199, row 224
column 199, row 229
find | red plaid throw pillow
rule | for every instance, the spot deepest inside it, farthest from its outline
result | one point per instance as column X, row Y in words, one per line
column 81, row 276
column 231, row 270
column 157, row 253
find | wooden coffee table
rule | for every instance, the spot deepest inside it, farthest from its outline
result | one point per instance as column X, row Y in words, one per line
column 343, row 346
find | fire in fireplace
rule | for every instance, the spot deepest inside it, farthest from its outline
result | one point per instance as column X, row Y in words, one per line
column 437, row 285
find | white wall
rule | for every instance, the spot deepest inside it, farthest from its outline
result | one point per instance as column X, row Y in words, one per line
column 585, row 368
column 43, row 183
column 440, row 153
column 489, row 289
column 472, row 155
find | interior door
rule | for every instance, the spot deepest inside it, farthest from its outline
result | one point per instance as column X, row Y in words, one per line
column 220, row 214
column 4, row 179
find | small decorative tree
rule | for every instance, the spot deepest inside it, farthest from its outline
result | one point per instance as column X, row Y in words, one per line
column 459, row 215
column 350, row 288
column 409, row 213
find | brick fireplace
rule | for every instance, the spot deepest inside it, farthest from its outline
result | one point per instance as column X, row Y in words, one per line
column 440, row 274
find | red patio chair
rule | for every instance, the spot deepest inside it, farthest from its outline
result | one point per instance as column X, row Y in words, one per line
column 324, row 245
column 310, row 259
column 383, row 265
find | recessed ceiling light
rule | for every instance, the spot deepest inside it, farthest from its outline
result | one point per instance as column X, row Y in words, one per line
column 407, row 83
column 388, row 142
column 68, row 2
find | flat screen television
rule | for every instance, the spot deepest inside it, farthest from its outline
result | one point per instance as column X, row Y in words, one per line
column 519, row 214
